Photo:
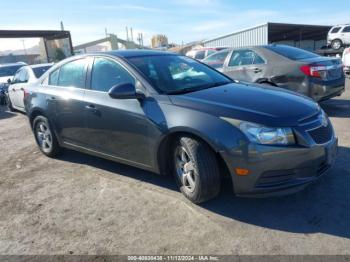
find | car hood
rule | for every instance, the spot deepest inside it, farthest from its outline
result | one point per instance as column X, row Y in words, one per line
column 270, row 106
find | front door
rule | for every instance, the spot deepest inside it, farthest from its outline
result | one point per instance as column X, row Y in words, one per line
column 116, row 127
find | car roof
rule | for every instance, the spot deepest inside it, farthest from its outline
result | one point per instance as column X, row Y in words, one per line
column 41, row 65
column 136, row 53
column 13, row 64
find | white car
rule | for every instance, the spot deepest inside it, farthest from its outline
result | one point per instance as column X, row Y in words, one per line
column 346, row 61
column 7, row 71
column 339, row 36
column 23, row 77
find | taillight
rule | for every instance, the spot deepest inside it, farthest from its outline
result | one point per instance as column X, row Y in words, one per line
column 314, row 71
column 26, row 93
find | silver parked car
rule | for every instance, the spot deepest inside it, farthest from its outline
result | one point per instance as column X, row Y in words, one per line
column 24, row 76
column 287, row 67
column 339, row 36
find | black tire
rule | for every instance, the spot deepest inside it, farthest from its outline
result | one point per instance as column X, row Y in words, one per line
column 205, row 174
column 45, row 137
column 9, row 104
column 336, row 44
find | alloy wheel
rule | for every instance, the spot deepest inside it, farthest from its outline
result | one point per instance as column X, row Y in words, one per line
column 44, row 136
column 185, row 169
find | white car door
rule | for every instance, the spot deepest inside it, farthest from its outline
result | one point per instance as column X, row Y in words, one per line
column 18, row 89
column 12, row 88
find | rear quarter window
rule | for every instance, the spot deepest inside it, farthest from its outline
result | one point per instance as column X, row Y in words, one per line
column 290, row 52
column 346, row 29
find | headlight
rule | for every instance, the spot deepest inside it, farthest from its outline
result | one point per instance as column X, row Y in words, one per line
column 265, row 135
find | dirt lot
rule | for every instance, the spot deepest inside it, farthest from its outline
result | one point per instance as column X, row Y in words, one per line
column 80, row 204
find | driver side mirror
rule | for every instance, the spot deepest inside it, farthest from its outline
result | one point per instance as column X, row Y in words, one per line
column 125, row 91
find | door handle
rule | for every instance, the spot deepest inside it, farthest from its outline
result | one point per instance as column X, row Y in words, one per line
column 92, row 108
column 22, row 88
column 14, row 90
column 257, row 70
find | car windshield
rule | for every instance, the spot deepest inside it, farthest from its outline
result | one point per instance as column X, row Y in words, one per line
column 9, row 70
column 172, row 74
column 217, row 57
column 39, row 71
column 291, row 52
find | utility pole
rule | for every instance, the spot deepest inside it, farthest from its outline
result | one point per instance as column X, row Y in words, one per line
column 62, row 26
column 106, row 33
column 132, row 35
column 127, row 33
column 24, row 47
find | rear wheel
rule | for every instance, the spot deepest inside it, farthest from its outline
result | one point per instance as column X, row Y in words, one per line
column 45, row 137
column 336, row 44
column 196, row 169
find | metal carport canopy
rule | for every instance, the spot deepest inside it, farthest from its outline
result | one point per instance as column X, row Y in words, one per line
column 296, row 32
column 45, row 34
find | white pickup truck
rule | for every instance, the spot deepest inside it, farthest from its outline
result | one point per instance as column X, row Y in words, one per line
column 346, row 61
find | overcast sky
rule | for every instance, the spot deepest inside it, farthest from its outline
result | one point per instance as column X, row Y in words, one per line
column 180, row 20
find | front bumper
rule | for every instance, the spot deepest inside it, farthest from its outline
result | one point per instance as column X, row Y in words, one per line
column 275, row 170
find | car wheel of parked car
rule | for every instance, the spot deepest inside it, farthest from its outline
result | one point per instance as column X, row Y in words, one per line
column 336, row 44
column 45, row 137
column 196, row 169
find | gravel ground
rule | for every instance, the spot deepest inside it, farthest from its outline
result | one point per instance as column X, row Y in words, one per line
column 79, row 204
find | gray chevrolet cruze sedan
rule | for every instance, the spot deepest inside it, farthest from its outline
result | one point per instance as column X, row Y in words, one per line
column 173, row 115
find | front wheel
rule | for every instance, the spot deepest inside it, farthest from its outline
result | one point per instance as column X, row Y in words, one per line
column 9, row 104
column 196, row 169
column 45, row 137
column 336, row 44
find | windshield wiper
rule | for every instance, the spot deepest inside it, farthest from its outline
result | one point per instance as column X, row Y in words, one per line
column 183, row 91
column 197, row 88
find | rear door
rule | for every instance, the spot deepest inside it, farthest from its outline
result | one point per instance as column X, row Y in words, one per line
column 116, row 127
column 64, row 97
column 245, row 65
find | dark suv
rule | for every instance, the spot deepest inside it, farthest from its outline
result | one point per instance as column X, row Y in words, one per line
column 173, row 115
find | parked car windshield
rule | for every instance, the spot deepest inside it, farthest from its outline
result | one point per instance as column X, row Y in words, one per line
column 217, row 57
column 39, row 71
column 291, row 52
column 172, row 74
column 9, row 70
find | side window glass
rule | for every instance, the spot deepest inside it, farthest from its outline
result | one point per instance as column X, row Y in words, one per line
column 73, row 74
column 242, row 57
column 200, row 55
column 23, row 76
column 16, row 77
column 107, row 73
column 335, row 30
column 258, row 60
column 53, row 78
column 346, row 29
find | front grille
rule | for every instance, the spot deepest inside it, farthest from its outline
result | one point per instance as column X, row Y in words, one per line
column 321, row 134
